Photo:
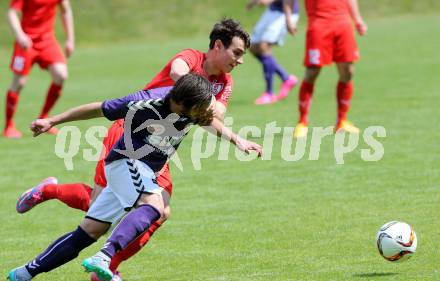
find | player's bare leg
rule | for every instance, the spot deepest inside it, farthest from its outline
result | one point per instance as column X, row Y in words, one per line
column 304, row 100
column 344, row 93
column 12, row 97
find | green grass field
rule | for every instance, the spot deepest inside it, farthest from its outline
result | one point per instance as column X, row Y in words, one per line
column 257, row 220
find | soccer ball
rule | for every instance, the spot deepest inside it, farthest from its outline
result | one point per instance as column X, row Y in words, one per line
column 396, row 241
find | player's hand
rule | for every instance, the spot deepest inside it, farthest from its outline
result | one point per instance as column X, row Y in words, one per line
column 361, row 28
column 248, row 146
column 251, row 4
column 69, row 47
column 24, row 41
column 40, row 126
column 291, row 27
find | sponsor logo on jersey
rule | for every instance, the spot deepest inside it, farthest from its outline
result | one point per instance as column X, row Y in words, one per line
column 217, row 87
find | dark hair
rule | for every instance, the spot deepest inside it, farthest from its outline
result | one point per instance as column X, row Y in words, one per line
column 192, row 91
column 227, row 29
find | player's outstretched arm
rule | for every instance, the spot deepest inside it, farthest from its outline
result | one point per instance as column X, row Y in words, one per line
column 244, row 145
column 82, row 112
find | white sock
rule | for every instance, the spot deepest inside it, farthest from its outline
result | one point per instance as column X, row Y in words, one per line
column 103, row 256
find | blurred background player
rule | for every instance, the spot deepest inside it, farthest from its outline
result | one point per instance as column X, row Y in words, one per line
column 35, row 42
column 280, row 17
column 223, row 55
column 330, row 38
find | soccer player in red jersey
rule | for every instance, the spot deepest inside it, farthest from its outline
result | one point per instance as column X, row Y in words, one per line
column 35, row 42
column 330, row 38
column 228, row 43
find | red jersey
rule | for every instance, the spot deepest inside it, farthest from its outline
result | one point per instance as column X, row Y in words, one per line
column 221, row 84
column 327, row 9
column 38, row 16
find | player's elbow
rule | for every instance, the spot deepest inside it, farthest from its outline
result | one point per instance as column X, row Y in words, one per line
column 175, row 74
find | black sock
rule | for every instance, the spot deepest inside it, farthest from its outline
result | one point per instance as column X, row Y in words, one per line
column 61, row 251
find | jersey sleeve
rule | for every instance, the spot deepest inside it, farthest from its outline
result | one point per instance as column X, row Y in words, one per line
column 16, row 4
column 117, row 108
column 224, row 95
column 189, row 56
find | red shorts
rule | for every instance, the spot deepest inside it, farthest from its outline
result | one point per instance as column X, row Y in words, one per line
column 113, row 134
column 44, row 53
column 330, row 42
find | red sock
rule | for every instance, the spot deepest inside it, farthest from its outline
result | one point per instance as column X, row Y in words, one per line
column 304, row 100
column 11, row 106
column 344, row 93
column 74, row 195
column 134, row 246
column 53, row 94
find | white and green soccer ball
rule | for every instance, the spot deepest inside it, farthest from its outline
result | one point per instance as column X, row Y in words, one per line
column 396, row 241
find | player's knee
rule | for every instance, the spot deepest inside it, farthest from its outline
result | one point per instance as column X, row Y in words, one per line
column 154, row 200
column 18, row 83
column 59, row 73
column 160, row 209
column 60, row 77
column 346, row 72
column 17, row 88
column 166, row 214
column 346, row 76
column 312, row 74
column 93, row 228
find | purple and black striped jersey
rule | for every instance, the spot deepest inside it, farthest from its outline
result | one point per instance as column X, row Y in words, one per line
column 277, row 5
column 152, row 133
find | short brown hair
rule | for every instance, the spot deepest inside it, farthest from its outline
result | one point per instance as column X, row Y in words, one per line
column 192, row 91
column 227, row 29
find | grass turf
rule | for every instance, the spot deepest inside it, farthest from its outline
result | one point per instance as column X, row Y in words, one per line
column 258, row 220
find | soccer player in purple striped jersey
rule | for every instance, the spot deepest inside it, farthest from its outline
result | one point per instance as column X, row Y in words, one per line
column 155, row 123
column 280, row 17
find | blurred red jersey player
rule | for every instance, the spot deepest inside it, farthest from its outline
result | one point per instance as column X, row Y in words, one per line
column 228, row 42
column 35, row 42
column 330, row 38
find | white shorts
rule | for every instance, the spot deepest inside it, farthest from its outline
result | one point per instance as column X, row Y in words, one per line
column 127, row 179
column 271, row 27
